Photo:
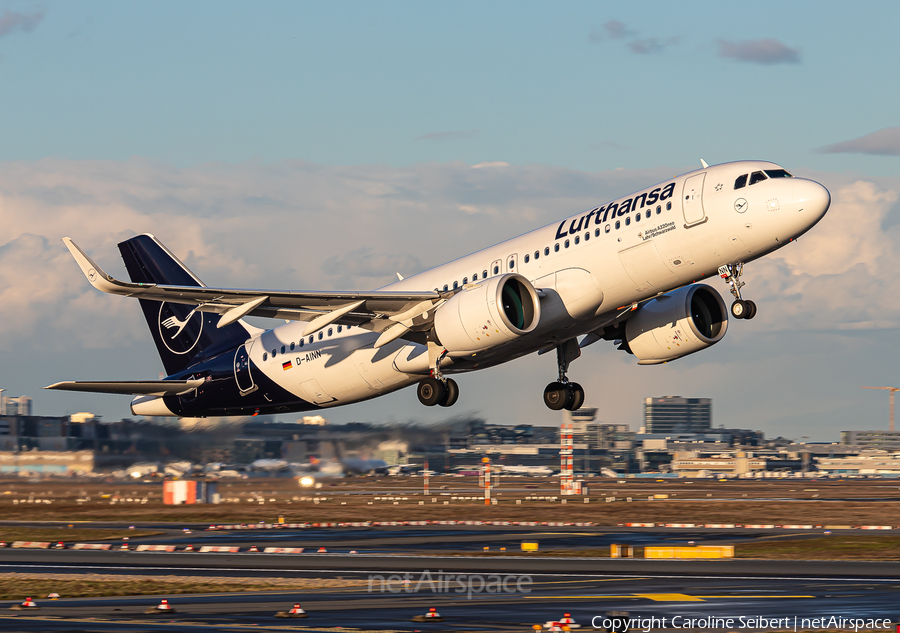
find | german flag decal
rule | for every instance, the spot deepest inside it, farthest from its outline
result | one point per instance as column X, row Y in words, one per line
column 286, row 365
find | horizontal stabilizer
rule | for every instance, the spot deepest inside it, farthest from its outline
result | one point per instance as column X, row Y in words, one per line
column 130, row 387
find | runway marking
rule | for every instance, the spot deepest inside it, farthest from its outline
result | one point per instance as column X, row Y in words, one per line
column 669, row 597
column 658, row 597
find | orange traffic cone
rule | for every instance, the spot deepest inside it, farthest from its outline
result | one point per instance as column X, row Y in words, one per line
column 124, row 546
column 253, row 548
column 296, row 612
column 189, row 548
column 53, row 596
column 163, row 607
column 431, row 616
column 322, row 550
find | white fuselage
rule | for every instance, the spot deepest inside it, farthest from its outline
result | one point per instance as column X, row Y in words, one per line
column 587, row 267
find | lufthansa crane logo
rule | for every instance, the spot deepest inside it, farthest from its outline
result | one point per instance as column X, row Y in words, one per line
column 179, row 327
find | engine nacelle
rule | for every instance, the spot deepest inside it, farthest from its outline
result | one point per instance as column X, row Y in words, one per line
column 677, row 324
column 487, row 314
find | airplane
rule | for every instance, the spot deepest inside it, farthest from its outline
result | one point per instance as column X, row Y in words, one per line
column 533, row 471
column 625, row 271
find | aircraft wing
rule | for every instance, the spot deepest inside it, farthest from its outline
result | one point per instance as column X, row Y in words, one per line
column 391, row 313
column 131, row 387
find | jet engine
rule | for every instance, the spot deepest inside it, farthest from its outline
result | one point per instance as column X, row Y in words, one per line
column 676, row 324
column 486, row 314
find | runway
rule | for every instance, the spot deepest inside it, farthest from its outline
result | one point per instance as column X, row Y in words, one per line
column 544, row 598
column 446, row 570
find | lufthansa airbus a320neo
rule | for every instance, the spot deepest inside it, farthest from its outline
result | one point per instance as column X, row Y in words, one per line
column 625, row 271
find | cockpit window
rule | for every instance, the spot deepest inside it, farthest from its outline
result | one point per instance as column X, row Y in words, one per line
column 777, row 173
column 756, row 177
column 741, row 182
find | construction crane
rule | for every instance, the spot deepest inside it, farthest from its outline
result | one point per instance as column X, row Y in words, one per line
column 891, row 403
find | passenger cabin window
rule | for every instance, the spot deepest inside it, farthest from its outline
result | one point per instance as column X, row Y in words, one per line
column 496, row 270
column 265, row 356
column 741, row 182
column 618, row 224
column 282, row 349
column 483, row 275
column 339, row 329
column 274, row 353
column 577, row 239
column 627, row 220
column 756, row 177
column 556, row 247
column 475, row 277
column 455, row 285
column 566, row 243
column 606, row 228
column 527, row 258
column 310, row 340
column 321, row 334
column 596, row 232
column 668, row 206
column 329, row 331
column 512, row 264
column 301, row 342
column 292, row 346
column 587, row 236
column 637, row 218
column 537, row 254
column 658, row 209
column 446, row 288
column 777, row 173
column 465, row 280
column 546, row 250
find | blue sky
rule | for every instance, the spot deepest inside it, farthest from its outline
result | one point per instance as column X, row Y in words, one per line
column 236, row 131
column 524, row 82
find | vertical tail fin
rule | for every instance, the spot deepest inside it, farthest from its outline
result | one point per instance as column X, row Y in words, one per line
column 182, row 335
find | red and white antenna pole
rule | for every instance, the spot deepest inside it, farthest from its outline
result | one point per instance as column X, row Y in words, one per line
column 487, row 480
column 566, row 473
column 426, row 477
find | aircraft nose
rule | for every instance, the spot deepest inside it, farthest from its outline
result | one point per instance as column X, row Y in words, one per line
column 811, row 198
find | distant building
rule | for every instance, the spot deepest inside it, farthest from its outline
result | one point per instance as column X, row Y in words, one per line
column 691, row 463
column 876, row 463
column 46, row 462
column 886, row 440
column 15, row 406
column 674, row 414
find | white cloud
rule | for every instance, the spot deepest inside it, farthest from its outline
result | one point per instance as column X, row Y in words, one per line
column 12, row 21
column 884, row 142
column 762, row 51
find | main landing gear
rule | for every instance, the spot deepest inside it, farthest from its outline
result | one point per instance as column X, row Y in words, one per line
column 563, row 394
column 437, row 388
column 741, row 308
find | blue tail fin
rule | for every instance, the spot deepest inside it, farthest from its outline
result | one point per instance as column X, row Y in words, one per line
column 183, row 337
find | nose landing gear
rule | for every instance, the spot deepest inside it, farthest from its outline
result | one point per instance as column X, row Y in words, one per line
column 563, row 394
column 741, row 308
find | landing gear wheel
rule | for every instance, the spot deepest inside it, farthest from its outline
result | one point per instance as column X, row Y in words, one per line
column 451, row 393
column 752, row 312
column 576, row 398
column 556, row 395
column 430, row 391
column 740, row 309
